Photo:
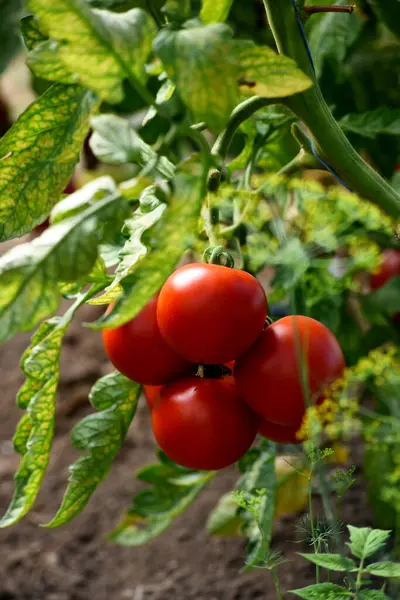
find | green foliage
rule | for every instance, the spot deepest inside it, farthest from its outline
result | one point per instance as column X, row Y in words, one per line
column 67, row 251
column 39, row 154
column 334, row 562
column 173, row 489
column 323, row 591
column 372, row 123
column 365, row 541
column 100, row 47
column 214, row 11
column 101, row 436
column 171, row 236
column 34, row 435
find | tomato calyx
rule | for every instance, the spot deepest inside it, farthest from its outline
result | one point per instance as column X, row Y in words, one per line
column 212, row 371
column 217, row 255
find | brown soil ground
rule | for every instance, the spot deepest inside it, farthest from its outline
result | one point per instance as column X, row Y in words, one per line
column 76, row 562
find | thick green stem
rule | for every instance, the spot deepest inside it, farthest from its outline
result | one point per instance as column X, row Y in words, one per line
column 329, row 141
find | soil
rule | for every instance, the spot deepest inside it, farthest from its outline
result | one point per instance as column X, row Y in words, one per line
column 76, row 562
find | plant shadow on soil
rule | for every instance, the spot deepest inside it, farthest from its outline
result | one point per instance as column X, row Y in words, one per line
column 76, row 562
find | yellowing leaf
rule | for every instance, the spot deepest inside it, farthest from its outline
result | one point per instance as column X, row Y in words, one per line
column 270, row 75
column 38, row 155
column 100, row 46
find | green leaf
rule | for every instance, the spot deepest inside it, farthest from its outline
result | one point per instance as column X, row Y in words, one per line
column 170, row 237
column 261, row 476
column 365, row 541
column 332, row 37
column 34, row 434
column 115, row 142
column 224, row 519
column 322, row 591
column 100, row 46
column 38, row 155
column 31, row 32
column 374, row 122
column 373, row 595
column 214, row 11
column 384, row 569
column 202, row 63
column 9, row 35
column 66, row 251
column 265, row 73
column 334, row 562
column 101, row 435
column 154, row 509
column 45, row 62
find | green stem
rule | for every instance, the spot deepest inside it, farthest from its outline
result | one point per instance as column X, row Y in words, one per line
column 241, row 113
column 329, row 141
column 277, row 584
column 359, row 577
column 310, row 511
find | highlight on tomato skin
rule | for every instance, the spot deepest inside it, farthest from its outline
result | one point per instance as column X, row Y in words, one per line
column 211, row 313
column 202, row 423
column 139, row 352
column 269, row 377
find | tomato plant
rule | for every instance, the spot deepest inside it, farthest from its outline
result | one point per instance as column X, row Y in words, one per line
column 287, row 368
column 210, row 313
column 138, row 350
column 203, row 423
column 255, row 143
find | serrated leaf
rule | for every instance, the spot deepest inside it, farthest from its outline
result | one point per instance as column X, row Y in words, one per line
column 154, row 509
column 334, row 562
column 224, row 519
column 384, row 569
column 134, row 249
column 38, row 155
column 322, row 591
column 372, row 123
column 265, row 73
column 9, row 33
column 115, row 142
column 261, row 475
column 34, row 434
column 202, row 63
column 170, row 237
column 31, row 32
column 101, row 435
column 332, row 37
column 66, row 251
column 365, row 541
column 214, row 11
column 102, row 47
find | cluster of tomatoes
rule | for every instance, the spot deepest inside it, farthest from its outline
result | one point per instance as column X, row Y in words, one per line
column 214, row 372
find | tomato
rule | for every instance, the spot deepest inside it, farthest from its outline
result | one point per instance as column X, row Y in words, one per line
column 210, row 313
column 151, row 393
column 268, row 375
column 202, row 423
column 138, row 350
column 389, row 268
column 279, row 433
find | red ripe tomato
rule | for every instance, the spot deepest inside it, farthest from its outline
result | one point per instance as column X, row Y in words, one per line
column 279, row 433
column 203, row 423
column 138, row 350
column 269, row 375
column 210, row 313
column 152, row 393
column 389, row 268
